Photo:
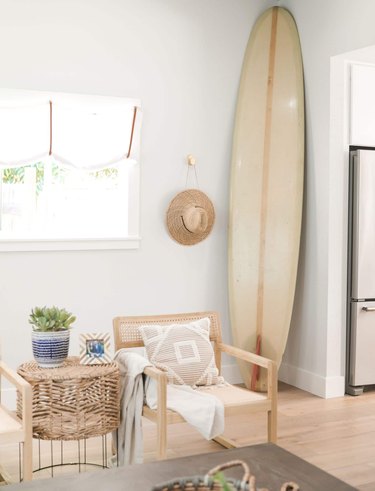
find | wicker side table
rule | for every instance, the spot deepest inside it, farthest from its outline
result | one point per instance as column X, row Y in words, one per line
column 73, row 402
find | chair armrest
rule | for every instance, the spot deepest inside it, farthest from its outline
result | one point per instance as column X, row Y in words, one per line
column 13, row 377
column 26, row 392
column 161, row 384
column 246, row 356
column 156, row 374
column 266, row 363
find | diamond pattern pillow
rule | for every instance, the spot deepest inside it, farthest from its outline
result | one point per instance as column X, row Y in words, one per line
column 184, row 351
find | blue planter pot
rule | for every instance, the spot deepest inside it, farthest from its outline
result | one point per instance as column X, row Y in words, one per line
column 50, row 349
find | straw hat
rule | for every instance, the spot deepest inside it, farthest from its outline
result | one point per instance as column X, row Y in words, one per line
column 190, row 217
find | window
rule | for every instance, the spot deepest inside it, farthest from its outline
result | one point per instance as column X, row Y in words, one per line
column 69, row 171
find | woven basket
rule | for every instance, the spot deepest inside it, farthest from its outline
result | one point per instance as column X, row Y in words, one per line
column 210, row 482
column 74, row 401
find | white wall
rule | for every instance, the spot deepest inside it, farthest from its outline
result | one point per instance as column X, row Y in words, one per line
column 315, row 354
column 183, row 60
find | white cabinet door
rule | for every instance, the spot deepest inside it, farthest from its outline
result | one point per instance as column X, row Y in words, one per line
column 362, row 105
column 362, row 359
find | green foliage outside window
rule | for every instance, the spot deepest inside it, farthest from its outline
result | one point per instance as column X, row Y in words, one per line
column 17, row 175
column 108, row 173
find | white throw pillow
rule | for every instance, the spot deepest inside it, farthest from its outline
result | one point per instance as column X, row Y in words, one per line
column 184, row 351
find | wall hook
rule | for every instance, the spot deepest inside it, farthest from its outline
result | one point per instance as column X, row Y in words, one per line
column 191, row 160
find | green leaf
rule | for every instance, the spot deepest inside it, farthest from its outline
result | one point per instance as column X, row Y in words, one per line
column 51, row 319
column 219, row 476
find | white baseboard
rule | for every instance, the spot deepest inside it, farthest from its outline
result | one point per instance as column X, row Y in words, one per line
column 326, row 387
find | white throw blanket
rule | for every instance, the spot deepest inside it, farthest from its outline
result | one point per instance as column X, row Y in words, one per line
column 129, row 437
column 203, row 411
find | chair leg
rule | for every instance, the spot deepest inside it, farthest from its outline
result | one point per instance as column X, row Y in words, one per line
column 225, row 442
column 272, row 426
column 161, row 425
column 28, row 459
column 161, row 417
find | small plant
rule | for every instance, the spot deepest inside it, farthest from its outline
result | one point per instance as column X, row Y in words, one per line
column 50, row 319
column 219, row 477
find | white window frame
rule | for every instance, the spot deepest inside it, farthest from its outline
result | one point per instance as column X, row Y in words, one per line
column 131, row 241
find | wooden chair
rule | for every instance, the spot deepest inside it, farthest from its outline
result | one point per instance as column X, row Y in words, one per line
column 235, row 399
column 14, row 429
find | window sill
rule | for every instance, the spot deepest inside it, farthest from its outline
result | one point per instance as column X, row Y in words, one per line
column 23, row 245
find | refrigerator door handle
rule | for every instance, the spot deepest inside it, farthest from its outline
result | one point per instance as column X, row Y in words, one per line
column 368, row 309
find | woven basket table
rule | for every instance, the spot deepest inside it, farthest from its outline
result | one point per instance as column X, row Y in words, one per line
column 74, row 401
column 214, row 480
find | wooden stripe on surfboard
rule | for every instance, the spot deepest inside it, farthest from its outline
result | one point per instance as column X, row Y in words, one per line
column 265, row 177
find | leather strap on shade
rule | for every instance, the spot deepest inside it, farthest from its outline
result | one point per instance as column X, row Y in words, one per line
column 50, row 128
column 132, row 132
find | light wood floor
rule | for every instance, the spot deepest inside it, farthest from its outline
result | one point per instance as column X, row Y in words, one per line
column 337, row 435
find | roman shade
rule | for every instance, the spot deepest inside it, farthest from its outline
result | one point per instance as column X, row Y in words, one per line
column 83, row 132
column 90, row 138
column 24, row 133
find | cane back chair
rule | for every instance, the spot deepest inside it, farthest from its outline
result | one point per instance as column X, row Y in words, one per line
column 235, row 399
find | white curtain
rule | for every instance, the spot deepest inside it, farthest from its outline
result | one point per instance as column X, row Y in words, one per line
column 24, row 134
column 76, row 133
column 91, row 139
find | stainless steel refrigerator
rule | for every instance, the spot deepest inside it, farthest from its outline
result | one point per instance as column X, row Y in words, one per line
column 361, row 272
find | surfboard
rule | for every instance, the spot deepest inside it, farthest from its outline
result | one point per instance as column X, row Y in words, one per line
column 266, row 191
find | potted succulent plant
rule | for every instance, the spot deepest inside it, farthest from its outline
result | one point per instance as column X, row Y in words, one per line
column 50, row 335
